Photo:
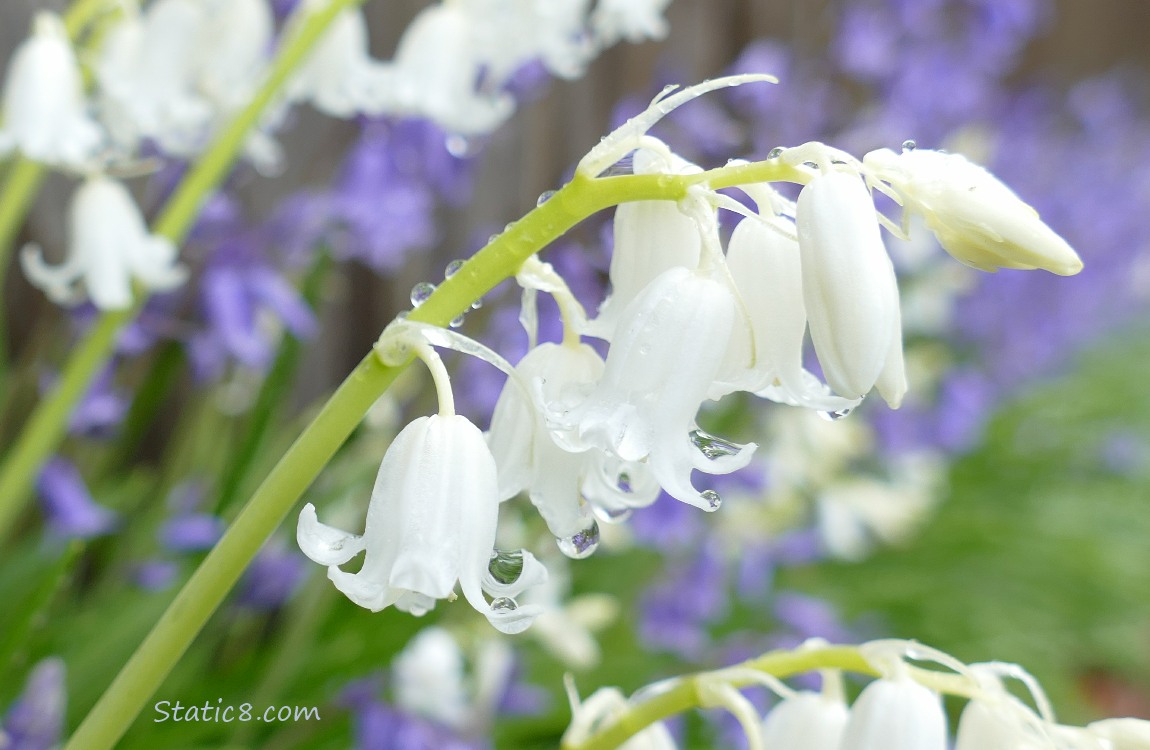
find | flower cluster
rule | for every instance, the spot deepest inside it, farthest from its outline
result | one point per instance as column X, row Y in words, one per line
column 901, row 710
column 589, row 438
column 167, row 77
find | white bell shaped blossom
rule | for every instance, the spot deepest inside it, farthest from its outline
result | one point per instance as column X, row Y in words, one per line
column 435, row 73
column 633, row 20
column 977, row 219
column 896, row 714
column 428, row 675
column 231, row 67
column 510, row 33
column 811, row 721
column 565, row 486
column 45, row 113
column 764, row 260
column 668, row 349
column 650, row 238
column 109, row 247
column 998, row 723
column 1123, row 734
column 147, row 72
column 849, row 288
column 339, row 76
column 431, row 522
column 603, row 705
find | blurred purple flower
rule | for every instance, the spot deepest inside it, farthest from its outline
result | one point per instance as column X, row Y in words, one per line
column 156, row 575
column 191, row 532
column 676, row 611
column 273, row 577
column 808, row 617
column 71, row 511
column 35, row 720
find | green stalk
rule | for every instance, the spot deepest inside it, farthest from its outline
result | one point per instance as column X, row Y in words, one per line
column 281, row 490
column 49, row 421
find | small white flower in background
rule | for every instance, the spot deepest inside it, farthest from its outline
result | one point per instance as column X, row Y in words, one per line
column 896, row 713
column 977, row 219
column 231, row 66
column 633, row 20
column 510, row 33
column 650, row 237
column 429, row 678
column 45, row 113
column 339, row 76
column 1123, row 734
column 435, row 74
column 849, row 288
column 147, row 74
column 806, row 720
column 109, row 247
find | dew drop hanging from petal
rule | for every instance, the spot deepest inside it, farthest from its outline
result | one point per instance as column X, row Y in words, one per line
column 712, row 498
column 713, row 447
column 834, row 416
column 503, row 604
column 580, row 544
column 909, row 145
column 506, row 565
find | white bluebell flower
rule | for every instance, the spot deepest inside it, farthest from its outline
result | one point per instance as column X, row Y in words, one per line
column 633, row 20
column 977, row 219
column 806, row 720
column 668, row 349
column 849, row 288
column 45, row 112
column 430, row 523
column 109, row 248
column 896, row 713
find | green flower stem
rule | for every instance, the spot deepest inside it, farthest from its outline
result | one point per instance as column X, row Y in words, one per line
column 685, row 694
column 48, row 423
column 281, row 490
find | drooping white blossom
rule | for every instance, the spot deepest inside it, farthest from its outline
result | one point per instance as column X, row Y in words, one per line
column 147, row 72
column 45, row 113
column 650, row 237
column 633, row 20
column 849, row 288
column 427, row 528
column 508, row 34
column 811, row 721
column 109, row 248
column 896, row 714
column 977, row 219
column 435, row 74
column 231, row 67
column 606, row 704
column 339, row 76
column 667, row 351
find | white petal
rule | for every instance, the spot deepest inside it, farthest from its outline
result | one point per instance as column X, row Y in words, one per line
column 324, row 544
column 810, row 721
column 849, row 287
column 896, row 714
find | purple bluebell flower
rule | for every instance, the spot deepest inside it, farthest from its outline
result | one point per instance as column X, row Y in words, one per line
column 273, row 577
column 191, row 532
column 809, row 617
column 156, row 574
column 35, row 721
column 71, row 511
column 678, row 610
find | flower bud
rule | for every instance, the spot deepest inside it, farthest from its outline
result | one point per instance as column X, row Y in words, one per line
column 896, row 714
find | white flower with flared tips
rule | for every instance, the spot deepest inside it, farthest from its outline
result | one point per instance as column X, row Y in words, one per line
column 650, row 238
column 231, row 67
column 977, row 219
column 108, row 248
column 667, row 352
column 45, row 113
column 427, row 529
column 849, row 288
column 339, row 76
column 435, row 71
column 432, row 517
column 566, row 487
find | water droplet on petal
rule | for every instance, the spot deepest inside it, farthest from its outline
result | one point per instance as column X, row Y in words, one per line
column 712, row 499
column 713, row 447
column 452, row 268
column 545, row 196
column 503, row 604
column 623, row 482
column 457, row 321
column 402, row 314
column 581, row 544
column 834, row 416
column 420, row 292
column 506, row 565
column 508, row 226
column 909, row 145
column 492, row 238
column 775, row 152
column 477, row 304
